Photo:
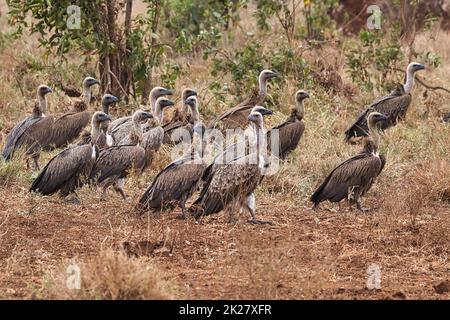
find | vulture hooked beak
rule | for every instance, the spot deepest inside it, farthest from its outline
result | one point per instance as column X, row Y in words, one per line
column 48, row 90
column 147, row 115
column 167, row 92
column 190, row 93
column 190, row 102
column 263, row 111
column 273, row 74
column 166, row 103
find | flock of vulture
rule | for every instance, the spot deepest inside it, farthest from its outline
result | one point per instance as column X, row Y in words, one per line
column 226, row 179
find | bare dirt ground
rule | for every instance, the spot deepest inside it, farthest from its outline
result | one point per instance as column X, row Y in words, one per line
column 305, row 254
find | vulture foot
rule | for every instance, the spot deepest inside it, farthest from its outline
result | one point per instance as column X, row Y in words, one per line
column 361, row 208
column 256, row 221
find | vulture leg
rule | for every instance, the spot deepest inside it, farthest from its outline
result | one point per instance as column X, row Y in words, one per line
column 182, row 204
column 360, row 207
column 118, row 187
column 250, row 204
column 36, row 163
column 231, row 209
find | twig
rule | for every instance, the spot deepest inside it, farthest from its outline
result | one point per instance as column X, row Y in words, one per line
column 420, row 81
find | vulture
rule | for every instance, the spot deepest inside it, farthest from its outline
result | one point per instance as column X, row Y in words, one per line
column 31, row 133
column 153, row 132
column 120, row 128
column 355, row 176
column 135, row 133
column 290, row 132
column 114, row 163
column 68, row 126
column 237, row 117
column 69, row 169
column 232, row 186
column 104, row 139
column 183, row 118
column 177, row 181
column 174, row 132
column 235, row 150
column 446, row 118
column 394, row 106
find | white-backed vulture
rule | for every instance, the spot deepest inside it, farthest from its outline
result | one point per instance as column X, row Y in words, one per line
column 394, row 106
column 135, row 132
column 115, row 163
column 175, row 131
column 153, row 131
column 177, row 181
column 290, row 132
column 235, row 150
column 182, row 117
column 67, row 127
column 355, row 176
column 69, row 169
column 115, row 127
column 104, row 139
column 237, row 117
column 32, row 134
column 233, row 184
column 15, row 138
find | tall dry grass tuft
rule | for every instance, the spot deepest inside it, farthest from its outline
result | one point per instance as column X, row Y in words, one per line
column 112, row 276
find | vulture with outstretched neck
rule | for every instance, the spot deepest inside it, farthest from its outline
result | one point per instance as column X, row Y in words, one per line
column 355, row 176
column 32, row 133
column 68, row 127
column 182, row 118
column 104, row 139
column 177, row 181
column 233, row 184
column 394, row 106
column 69, row 169
column 288, row 133
column 115, row 163
column 120, row 127
column 237, row 117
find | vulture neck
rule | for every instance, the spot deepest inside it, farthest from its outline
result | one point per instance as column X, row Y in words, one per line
column 153, row 98
column 409, row 81
column 262, row 87
column 42, row 103
column 260, row 142
column 37, row 112
column 95, row 131
column 159, row 114
column 374, row 137
column 105, row 108
column 299, row 110
column 137, row 131
column 195, row 114
column 87, row 95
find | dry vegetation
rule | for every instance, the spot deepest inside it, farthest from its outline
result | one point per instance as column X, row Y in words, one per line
column 305, row 254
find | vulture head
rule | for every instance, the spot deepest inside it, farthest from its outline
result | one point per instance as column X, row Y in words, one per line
column 267, row 74
column 261, row 110
column 192, row 102
column 140, row 116
column 100, row 117
column 89, row 82
column 160, row 105
column 188, row 93
column 415, row 66
column 374, row 118
column 257, row 119
column 107, row 101
column 156, row 93
column 301, row 95
column 43, row 90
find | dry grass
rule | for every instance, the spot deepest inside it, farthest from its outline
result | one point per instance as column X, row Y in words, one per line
column 305, row 254
column 110, row 275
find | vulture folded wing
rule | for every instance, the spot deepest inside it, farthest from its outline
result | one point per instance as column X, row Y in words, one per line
column 229, row 181
column 15, row 135
column 358, row 171
column 61, row 168
column 118, row 122
column 68, row 127
column 174, row 181
column 289, row 134
column 116, row 161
